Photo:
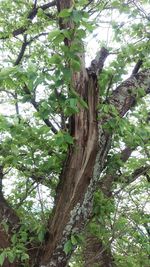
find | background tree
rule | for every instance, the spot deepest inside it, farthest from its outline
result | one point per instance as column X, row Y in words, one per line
column 74, row 168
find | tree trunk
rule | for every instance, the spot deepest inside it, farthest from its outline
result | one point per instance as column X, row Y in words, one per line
column 76, row 174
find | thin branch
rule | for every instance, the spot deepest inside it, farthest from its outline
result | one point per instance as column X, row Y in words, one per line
column 42, row 206
column 89, row 2
column 92, row 11
column 37, row 36
column 35, row 4
column 109, row 86
column 27, row 193
column 22, row 51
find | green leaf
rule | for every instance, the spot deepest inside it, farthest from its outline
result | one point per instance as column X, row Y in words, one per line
column 68, row 247
column 7, row 71
column 65, row 13
column 74, row 241
column 5, row 225
column 80, row 100
column 14, row 238
column 77, row 16
column 41, row 233
column 76, row 65
column 24, row 257
column 68, row 138
column 11, row 256
column 2, row 258
column 55, row 59
column 66, row 33
column 53, row 34
column 89, row 26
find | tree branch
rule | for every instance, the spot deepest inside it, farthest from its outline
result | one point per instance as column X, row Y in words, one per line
column 137, row 67
column 1, row 180
column 21, row 53
column 125, row 95
column 98, row 63
column 74, row 203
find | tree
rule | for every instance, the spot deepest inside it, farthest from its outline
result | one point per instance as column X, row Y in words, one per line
column 78, row 135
